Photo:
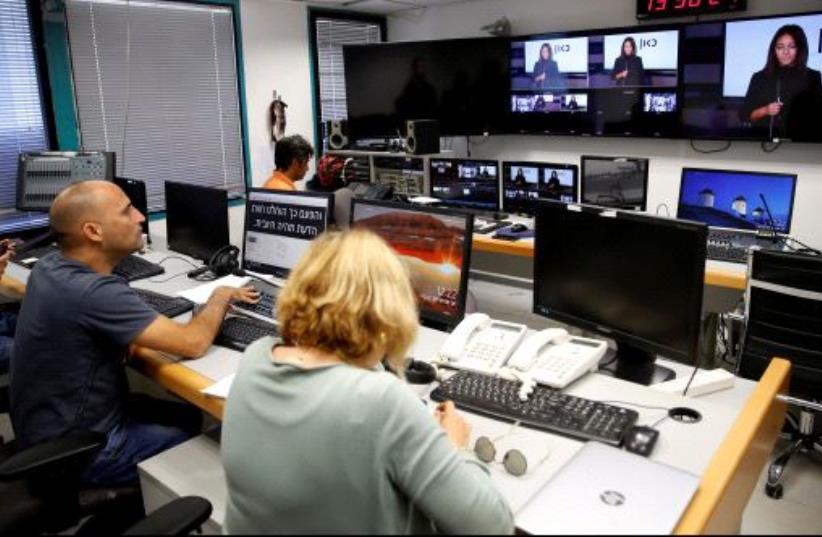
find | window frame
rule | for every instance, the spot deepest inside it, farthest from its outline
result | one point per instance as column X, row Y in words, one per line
column 337, row 14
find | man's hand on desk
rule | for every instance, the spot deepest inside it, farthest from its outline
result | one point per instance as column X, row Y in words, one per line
column 456, row 428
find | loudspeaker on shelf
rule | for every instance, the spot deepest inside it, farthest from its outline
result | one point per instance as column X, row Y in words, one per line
column 422, row 136
column 337, row 134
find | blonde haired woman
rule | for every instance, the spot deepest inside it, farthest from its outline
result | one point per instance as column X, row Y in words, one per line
column 317, row 439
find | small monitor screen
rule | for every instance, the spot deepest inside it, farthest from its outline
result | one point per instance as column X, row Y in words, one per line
column 196, row 219
column 525, row 182
column 617, row 182
column 470, row 184
column 734, row 199
column 435, row 246
column 279, row 227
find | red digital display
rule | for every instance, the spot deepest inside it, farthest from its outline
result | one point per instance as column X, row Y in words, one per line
column 673, row 8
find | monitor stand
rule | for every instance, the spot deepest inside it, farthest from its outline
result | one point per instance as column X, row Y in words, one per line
column 634, row 365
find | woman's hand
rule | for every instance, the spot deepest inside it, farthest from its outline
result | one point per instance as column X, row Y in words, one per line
column 456, row 428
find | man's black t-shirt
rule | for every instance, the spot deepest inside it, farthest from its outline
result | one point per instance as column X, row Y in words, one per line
column 67, row 367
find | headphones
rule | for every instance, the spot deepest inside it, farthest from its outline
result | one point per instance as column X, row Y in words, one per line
column 225, row 261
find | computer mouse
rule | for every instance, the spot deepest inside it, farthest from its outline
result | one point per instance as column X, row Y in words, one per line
column 641, row 440
column 518, row 228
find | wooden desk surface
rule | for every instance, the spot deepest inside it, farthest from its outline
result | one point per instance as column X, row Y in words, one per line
column 715, row 276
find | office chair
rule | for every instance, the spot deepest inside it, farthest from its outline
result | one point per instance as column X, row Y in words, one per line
column 784, row 320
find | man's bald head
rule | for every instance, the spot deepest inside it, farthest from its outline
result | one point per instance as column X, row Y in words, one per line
column 79, row 203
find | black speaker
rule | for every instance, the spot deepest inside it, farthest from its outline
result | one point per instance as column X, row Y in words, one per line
column 422, row 136
column 337, row 134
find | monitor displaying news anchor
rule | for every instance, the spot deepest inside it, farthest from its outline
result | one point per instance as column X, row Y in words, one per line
column 754, row 79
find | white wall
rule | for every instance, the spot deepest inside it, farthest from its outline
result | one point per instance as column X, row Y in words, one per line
column 276, row 57
column 667, row 157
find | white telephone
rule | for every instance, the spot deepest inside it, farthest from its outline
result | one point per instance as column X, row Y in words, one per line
column 554, row 358
column 480, row 343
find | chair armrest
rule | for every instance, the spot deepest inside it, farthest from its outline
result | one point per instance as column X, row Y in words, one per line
column 67, row 450
column 179, row 517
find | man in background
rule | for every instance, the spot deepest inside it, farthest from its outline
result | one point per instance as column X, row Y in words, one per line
column 291, row 157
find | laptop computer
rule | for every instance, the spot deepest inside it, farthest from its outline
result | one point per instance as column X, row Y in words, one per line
column 605, row 490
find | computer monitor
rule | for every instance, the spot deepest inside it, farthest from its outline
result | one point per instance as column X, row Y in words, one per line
column 632, row 277
column 618, row 182
column 468, row 184
column 525, row 182
column 279, row 227
column 136, row 192
column 196, row 219
column 435, row 244
column 738, row 200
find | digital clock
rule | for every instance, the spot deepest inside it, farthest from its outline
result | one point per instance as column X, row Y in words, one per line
column 648, row 9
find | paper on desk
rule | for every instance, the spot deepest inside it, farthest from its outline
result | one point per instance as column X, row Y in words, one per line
column 220, row 388
column 201, row 293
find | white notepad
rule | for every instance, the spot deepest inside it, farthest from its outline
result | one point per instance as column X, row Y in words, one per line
column 220, row 388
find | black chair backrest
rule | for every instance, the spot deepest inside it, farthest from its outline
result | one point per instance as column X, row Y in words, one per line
column 784, row 319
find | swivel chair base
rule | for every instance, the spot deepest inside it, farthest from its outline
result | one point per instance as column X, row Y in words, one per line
column 803, row 440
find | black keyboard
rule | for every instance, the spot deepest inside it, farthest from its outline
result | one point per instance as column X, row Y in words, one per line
column 546, row 409
column 239, row 332
column 490, row 226
column 732, row 254
column 264, row 307
column 132, row 268
column 170, row 306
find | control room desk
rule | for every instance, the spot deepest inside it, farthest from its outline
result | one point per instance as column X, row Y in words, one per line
column 194, row 467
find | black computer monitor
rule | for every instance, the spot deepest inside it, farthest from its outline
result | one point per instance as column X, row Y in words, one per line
column 525, row 182
column 435, row 244
column 136, row 192
column 618, row 182
column 279, row 227
column 738, row 200
column 468, row 184
column 196, row 219
column 632, row 277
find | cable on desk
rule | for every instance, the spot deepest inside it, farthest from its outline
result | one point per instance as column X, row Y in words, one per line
column 164, row 280
column 693, row 375
column 181, row 258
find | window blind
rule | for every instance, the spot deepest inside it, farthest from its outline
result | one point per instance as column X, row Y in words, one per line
column 22, row 124
column 156, row 82
column 332, row 34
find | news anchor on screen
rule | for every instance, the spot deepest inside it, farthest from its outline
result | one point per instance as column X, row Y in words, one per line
column 628, row 69
column 546, row 71
column 786, row 96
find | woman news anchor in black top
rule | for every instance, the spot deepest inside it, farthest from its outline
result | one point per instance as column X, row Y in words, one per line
column 785, row 98
column 546, row 71
column 628, row 69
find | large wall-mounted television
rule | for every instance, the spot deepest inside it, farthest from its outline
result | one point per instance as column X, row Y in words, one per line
column 619, row 82
column 753, row 79
column 463, row 83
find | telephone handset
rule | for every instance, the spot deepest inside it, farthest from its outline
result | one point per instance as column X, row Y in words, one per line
column 555, row 358
column 480, row 343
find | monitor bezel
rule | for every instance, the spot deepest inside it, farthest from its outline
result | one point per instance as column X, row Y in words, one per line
column 690, row 356
column 479, row 162
column 794, row 178
column 426, row 317
column 210, row 225
column 282, row 272
column 551, row 165
column 584, row 158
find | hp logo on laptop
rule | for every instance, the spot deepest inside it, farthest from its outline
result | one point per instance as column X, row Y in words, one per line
column 612, row 498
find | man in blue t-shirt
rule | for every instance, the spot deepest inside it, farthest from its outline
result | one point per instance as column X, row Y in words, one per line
column 74, row 333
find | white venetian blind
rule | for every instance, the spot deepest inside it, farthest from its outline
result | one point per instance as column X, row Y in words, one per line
column 332, row 34
column 22, row 125
column 156, row 82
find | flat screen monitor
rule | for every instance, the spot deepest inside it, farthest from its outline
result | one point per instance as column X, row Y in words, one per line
column 463, row 83
column 631, row 277
column 618, row 182
column 737, row 86
column 525, row 182
column 435, row 245
column 279, row 227
column 468, row 184
column 196, row 219
column 616, row 82
column 136, row 192
column 740, row 200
